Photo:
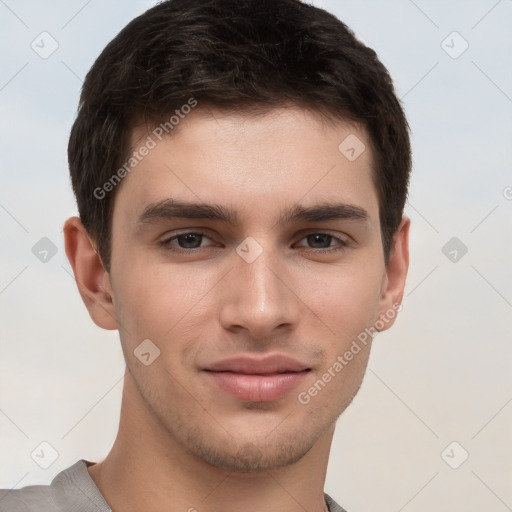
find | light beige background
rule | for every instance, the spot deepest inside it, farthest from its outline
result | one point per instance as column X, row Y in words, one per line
column 442, row 374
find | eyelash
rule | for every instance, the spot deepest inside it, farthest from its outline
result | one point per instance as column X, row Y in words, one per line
column 166, row 244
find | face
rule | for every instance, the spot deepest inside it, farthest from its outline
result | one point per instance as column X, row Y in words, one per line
column 248, row 250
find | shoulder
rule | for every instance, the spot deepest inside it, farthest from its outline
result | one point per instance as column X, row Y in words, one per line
column 27, row 499
column 333, row 506
column 72, row 490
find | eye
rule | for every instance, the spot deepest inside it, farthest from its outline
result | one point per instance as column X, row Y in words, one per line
column 322, row 241
column 192, row 241
column 185, row 241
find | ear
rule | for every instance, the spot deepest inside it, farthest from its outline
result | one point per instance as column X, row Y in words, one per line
column 91, row 277
column 395, row 276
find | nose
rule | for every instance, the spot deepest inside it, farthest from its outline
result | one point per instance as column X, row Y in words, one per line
column 259, row 297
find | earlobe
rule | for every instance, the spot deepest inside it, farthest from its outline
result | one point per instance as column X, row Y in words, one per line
column 396, row 274
column 91, row 277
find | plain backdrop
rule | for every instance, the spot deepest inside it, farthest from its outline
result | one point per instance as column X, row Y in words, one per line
column 431, row 426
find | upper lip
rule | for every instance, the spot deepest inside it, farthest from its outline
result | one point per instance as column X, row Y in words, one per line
column 252, row 365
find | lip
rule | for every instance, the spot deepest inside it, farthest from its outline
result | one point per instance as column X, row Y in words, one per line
column 251, row 365
column 258, row 379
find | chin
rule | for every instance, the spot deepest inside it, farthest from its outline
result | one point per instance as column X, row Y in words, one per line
column 250, row 452
column 251, row 458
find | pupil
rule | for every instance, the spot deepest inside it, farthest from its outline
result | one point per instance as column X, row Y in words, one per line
column 186, row 240
column 319, row 238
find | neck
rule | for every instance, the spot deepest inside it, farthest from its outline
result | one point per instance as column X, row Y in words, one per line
column 148, row 470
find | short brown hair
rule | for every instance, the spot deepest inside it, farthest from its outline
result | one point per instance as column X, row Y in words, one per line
column 234, row 55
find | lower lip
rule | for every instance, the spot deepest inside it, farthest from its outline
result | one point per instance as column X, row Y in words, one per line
column 257, row 388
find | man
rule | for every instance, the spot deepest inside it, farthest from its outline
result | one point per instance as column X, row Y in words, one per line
column 240, row 169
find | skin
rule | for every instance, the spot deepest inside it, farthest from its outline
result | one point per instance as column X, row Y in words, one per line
column 183, row 443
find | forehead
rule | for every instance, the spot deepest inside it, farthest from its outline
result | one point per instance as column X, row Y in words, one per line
column 252, row 162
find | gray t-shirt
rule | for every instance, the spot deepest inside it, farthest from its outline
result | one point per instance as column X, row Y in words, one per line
column 72, row 490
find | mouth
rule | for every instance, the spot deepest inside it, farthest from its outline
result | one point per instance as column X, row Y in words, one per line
column 257, row 380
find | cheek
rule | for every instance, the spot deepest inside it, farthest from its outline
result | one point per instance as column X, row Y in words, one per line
column 346, row 300
column 157, row 300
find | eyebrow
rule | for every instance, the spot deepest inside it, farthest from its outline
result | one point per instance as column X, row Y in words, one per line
column 169, row 209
